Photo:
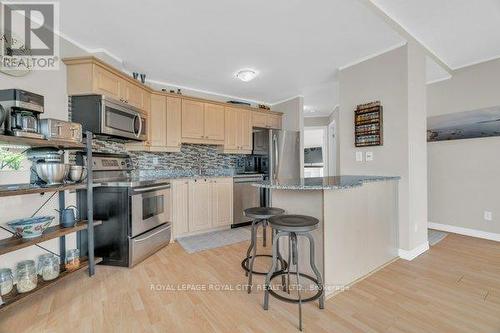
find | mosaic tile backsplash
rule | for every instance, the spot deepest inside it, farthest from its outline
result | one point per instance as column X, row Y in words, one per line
column 188, row 160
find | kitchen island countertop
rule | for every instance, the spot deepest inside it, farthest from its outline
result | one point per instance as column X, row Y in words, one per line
column 322, row 183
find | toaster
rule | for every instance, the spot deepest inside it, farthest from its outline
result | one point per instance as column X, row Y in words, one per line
column 55, row 129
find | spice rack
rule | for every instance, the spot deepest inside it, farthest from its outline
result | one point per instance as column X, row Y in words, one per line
column 368, row 125
column 13, row 243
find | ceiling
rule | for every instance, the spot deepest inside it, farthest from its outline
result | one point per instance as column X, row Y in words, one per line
column 458, row 32
column 295, row 46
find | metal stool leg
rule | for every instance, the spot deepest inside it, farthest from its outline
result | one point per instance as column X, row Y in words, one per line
column 295, row 254
column 252, row 240
column 271, row 270
column 254, row 253
column 289, row 263
column 315, row 269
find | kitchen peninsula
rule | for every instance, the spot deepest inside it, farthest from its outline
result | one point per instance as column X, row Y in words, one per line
column 358, row 217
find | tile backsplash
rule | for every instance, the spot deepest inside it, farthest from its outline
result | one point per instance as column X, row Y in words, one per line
column 188, row 159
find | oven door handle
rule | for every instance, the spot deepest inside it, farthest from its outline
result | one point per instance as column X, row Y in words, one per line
column 151, row 188
column 149, row 236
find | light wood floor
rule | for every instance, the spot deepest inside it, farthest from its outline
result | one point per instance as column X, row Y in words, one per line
column 454, row 287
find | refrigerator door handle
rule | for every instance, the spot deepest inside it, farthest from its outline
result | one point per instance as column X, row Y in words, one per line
column 276, row 157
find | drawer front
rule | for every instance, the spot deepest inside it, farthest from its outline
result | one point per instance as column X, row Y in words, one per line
column 143, row 246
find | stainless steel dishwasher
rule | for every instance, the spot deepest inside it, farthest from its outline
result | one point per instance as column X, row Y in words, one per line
column 245, row 196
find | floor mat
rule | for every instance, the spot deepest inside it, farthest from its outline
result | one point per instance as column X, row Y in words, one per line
column 212, row 240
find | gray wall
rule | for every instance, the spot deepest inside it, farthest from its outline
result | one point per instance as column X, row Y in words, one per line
column 389, row 78
column 463, row 174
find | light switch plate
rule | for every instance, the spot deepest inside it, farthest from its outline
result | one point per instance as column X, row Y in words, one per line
column 488, row 216
column 155, row 161
column 359, row 156
column 369, row 156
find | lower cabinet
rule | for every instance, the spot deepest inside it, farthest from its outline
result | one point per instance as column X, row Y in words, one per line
column 180, row 207
column 222, row 202
column 201, row 204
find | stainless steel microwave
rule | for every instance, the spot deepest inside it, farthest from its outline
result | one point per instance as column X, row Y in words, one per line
column 104, row 116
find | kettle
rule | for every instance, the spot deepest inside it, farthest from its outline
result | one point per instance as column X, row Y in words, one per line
column 68, row 216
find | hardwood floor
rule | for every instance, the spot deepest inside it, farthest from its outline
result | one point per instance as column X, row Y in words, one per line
column 454, row 287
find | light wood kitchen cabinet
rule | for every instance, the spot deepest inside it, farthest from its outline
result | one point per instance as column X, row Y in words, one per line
column 245, row 130
column 131, row 94
column 214, row 122
column 88, row 75
column 174, row 123
column 202, row 122
column 261, row 119
column 222, row 202
column 158, row 122
column 165, row 124
column 231, row 134
column 238, row 138
column 193, row 114
column 180, row 206
column 274, row 121
column 200, row 204
column 106, row 83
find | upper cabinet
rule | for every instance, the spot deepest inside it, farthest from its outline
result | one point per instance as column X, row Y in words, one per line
column 165, row 124
column 238, row 137
column 90, row 76
column 172, row 119
column 214, row 122
column 202, row 122
column 265, row 119
column 174, row 123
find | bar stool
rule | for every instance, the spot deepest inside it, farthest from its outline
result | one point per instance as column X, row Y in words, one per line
column 294, row 226
column 260, row 216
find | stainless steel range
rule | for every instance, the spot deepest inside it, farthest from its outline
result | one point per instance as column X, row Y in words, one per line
column 135, row 213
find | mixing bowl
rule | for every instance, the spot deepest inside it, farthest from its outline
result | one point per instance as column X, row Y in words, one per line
column 52, row 173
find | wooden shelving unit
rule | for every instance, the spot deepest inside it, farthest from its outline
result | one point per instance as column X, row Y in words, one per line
column 14, row 297
column 31, row 142
column 368, row 125
column 22, row 189
column 14, row 243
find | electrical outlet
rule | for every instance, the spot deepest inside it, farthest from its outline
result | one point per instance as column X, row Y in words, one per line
column 359, row 156
column 155, row 161
column 369, row 156
column 488, row 216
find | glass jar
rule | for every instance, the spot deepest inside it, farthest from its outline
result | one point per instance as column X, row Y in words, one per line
column 26, row 276
column 72, row 259
column 6, row 281
column 48, row 266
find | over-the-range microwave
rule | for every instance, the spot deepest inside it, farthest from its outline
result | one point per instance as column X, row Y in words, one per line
column 102, row 115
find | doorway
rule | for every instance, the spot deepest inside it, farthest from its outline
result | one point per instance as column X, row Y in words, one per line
column 316, row 151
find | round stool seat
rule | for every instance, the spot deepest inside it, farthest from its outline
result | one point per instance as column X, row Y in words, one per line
column 294, row 223
column 263, row 212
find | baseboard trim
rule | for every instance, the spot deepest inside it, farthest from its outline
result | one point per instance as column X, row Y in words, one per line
column 412, row 254
column 464, row 231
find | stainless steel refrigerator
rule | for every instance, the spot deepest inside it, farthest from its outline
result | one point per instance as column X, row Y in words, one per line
column 284, row 154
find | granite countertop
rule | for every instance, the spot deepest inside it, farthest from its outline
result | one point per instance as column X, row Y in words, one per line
column 322, row 183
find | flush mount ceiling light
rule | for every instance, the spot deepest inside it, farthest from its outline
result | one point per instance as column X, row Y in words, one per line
column 246, row 75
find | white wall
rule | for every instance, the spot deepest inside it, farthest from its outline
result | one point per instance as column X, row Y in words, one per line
column 463, row 174
column 52, row 85
column 389, row 78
